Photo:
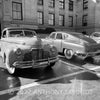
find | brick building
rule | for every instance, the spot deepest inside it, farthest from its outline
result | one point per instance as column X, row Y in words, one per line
column 74, row 15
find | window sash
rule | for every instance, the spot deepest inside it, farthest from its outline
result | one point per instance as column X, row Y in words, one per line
column 17, row 11
column 52, row 3
column 51, row 19
column 40, row 17
column 61, row 20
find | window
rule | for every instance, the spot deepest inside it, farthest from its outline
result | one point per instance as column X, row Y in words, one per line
column 51, row 19
column 40, row 17
column 40, row 2
column 61, row 4
column 52, row 3
column 17, row 11
column 85, row 4
column 70, row 5
column 61, row 20
column 70, row 21
column 84, row 20
column 52, row 36
column 59, row 36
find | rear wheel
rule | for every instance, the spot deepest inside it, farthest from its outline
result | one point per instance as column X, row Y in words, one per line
column 68, row 53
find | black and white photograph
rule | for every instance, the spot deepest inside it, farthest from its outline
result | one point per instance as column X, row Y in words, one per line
column 50, row 50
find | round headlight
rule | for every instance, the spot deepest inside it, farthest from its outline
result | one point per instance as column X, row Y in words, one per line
column 18, row 51
column 54, row 50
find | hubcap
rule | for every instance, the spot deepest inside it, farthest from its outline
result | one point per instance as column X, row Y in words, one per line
column 68, row 53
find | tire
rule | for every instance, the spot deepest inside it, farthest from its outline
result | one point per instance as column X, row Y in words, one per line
column 9, row 67
column 68, row 53
column 50, row 66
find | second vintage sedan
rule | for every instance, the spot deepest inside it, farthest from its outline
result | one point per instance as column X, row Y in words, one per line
column 73, row 43
column 95, row 36
column 21, row 48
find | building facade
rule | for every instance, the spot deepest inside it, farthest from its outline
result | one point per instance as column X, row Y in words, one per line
column 87, row 16
column 65, row 15
column 57, row 14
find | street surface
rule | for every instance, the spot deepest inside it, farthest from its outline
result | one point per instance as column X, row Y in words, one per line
column 68, row 80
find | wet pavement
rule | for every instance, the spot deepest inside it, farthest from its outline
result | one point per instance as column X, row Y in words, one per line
column 61, row 75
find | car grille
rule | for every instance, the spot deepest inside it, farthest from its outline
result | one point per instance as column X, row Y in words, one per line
column 36, row 54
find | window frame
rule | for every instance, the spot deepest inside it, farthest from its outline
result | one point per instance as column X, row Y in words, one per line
column 62, row 4
column 85, row 4
column 40, row 17
column 52, row 4
column 71, row 3
column 61, row 21
column 51, row 20
column 40, row 2
column 85, row 20
column 70, row 21
column 16, row 11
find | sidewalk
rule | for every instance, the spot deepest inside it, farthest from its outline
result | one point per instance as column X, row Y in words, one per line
column 76, row 90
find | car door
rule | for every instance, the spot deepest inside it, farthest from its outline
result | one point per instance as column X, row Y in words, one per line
column 72, row 42
column 58, row 41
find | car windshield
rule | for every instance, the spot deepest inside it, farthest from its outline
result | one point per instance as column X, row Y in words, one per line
column 21, row 33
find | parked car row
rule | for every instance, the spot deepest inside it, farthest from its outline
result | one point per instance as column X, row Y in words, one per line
column 22, row 48
column 73, row 43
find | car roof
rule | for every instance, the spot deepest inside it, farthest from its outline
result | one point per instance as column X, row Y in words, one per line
column 18, row 28
column 69, row 32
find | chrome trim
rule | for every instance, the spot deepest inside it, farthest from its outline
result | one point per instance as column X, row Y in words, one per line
column 35, row 64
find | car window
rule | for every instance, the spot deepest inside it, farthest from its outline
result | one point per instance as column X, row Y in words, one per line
column 59, row 36
column 52, row 35
column 16, row 33
column 29, row 33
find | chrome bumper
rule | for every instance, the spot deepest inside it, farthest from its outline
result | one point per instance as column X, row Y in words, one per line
column 89, row 54
column 35, row 64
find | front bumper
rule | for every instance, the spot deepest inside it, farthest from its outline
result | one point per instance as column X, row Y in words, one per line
column 35, row 64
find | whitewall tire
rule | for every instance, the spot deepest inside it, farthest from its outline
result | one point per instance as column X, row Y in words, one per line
column 68, row 53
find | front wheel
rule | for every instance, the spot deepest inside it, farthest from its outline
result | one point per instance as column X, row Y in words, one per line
column 68, row 53
column 50, row 66
column 9, row 66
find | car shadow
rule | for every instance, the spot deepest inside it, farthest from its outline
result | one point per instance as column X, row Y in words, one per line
column 8, row 82
column 39, row 74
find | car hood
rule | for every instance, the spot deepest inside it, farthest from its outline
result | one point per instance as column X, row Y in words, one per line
column 24, row 40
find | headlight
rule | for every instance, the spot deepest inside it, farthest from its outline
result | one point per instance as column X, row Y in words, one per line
column 18, row 51
column 54, row 50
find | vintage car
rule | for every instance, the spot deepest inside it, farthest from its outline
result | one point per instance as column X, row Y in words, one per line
column 95, row 36
column 73, row 44
column 21, row 48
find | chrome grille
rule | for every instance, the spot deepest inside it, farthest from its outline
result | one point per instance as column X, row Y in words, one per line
column 36, row 54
